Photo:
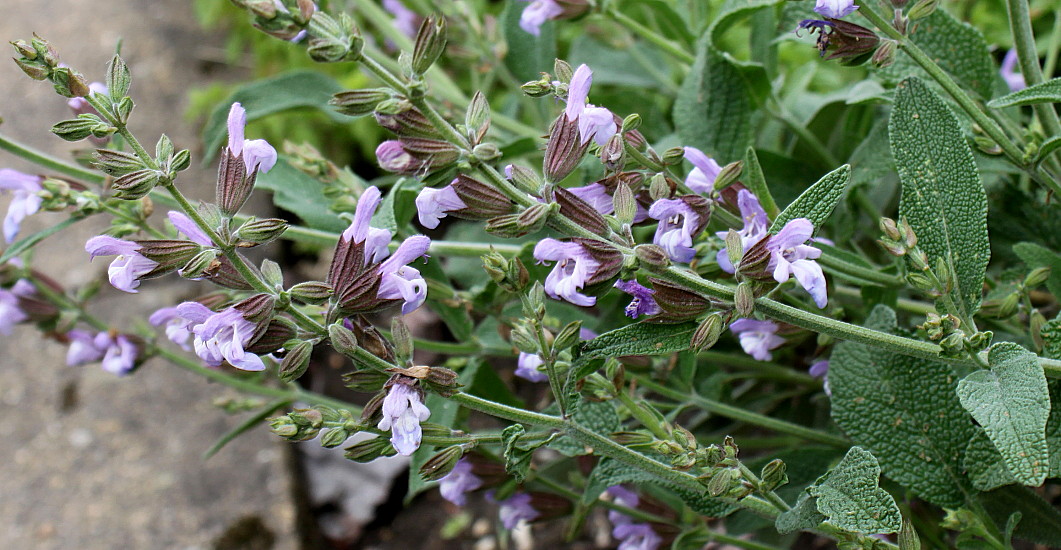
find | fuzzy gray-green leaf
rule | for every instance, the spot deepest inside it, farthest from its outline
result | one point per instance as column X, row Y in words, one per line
column 850, row 497
column 943, row 197
column 817, row 202
column 1012, row 403
column 1044, row 92
column 713, row 110
column 639, row 339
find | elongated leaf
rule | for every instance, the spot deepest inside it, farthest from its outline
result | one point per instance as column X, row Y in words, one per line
column 615, row 66
column 261, row 98
column 804, row 515
column 957, row 47
column 600, row 417
column 943, row 197
column 817, row 202
column 905, row 411
column 1044, row 92
column 26, row 243
column 1012, row 403
column 850, row 497
column 733, row 11
column 528, row 55
column 755, row 181
column 639, row 339
column 714, row 106
column 612, row 472
column 301, row 194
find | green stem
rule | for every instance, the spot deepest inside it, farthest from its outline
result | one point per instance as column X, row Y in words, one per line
column 748, row 417
column 833, row 262
column 47, row 161
column 1020, row 25
column 644, row 417
column 1054, row 47
column 635, row 513
column 770, row 370
column 770, row 496
column 142, row 224
column 652, row 36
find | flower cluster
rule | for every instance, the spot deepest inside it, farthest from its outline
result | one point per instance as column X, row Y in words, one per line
column 25, row 199
column 631, row 535
column 403, row 411
column 117, row 353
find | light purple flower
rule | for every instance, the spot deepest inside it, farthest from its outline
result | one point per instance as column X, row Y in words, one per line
column 125, row 271
column 405, row 19
column 221, row 336
column 632, row 535
column 25, row 200
column 643, row 302
column 757, row 337
column 86, row 347
column 1014, row 79
column 302, row 33
column 120, row 357
column 593, row 122
column 178, row 329
column 537, row 13
column 393, row 157
column 677, row 223
column 10, row 312
column 257, row 153
column 376, row 240
column 835, row 9
column 789, row 256
column 574, row 267
column 401, row 282
column 458, row 481
column 527, row 367
column 433, row 204
column 701, row 178
column 80, row 106
column 517, row 508
column 185, row 225
column 820, row 369
column 755, row 227
column 597, row 196
column 403, row 411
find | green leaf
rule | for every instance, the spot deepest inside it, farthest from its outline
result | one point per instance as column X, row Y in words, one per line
column 943, row 198
column 849, row 496
column 804, row 515
column 26, row 243
column 639, row 339
column 984, row 464
column 301, row 194
column 617, row 66
column 755, row 181
column 528, row 55
column 599, row 416
column 733, row 11
column 1040, row 521
column 612, row 472
column 268, row 96
column 957, row 47
column 1012, row 403
column 1035, row 256
column 517, row 457
column 713, row 111
column 905, row 411
column 1044, row 92
column 817, row 202
column 1046, row 149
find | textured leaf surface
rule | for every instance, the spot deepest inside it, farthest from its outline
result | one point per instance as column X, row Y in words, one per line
column 639, row 339
column 804, row 515
column 734, row 10
column 905, row 411
column 714, row 106
column 272, row 95
column 612, row 472
column 850, row 498
column 1044, row 92
column 957, row 47
column 817, row 202
column 599, row 416
column 943, row 197
column 528, row 55
column 1012, row 403
column 1040, row 522
column 301, row 194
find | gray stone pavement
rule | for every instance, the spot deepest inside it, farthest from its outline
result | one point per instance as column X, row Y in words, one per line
column 90, row 460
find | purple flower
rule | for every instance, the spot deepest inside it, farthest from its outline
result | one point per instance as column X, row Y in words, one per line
column 755, row 227
column 375, row 239
column 678, row 224
column 185, row 225
column 835, row 9
column 458, row 481
column 643, row 302
column 516, row 509
column 433, row 204
column 178, row 329
column 789, row 256
column 25, row 202
column 593, row 122
column 632, row 536
column 86, row 347
column 574, row 267
column 702, row 177
column 10, row 312
column 125, row 271
column 403, row 411
column 596, row 195
column 527, row 367
column 120, row 357
column 537, row 13
column 257, row 153
column 393, row 157
column 401, row 282
column 757, row 337
column 1014, row 79
column 221, row 336
column 405, row 19
column 820, row 369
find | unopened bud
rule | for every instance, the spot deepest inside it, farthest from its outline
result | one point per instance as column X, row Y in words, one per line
column 342, row 339
column 283, row 427
column 24, row 49
column 534, row 218
column 334, row 437
column 485, row 152
column 1037, row 277
column 684, row 437
column 524, row 178
column 430, row 43
column 524, row 338
column 673, row 156
column 568, row 336
column 613, row 154
column 296, row 361
column 359, row 102
column 729, row 174
column 707, row 332
column 631, row 123
column 402, row 339
column 721, row 482
column 633, row 439
column 744, row 299
column 773, row 476
column 563, row 70
column 922, row 9
column 256, row 232
column 659, row 187
column 537, row 88
column 135, row 184
column 69, row 83
column 311, row 292
column 624, row 204
column 36, row 71
column 80, row 128
column 953, row 345
column 652, row 255
column 734, row 247
column 440, row 465
column 885, row 54
column 311, row 418
column 564, row 149
column 370, row 449
column 890, row 229
column 1036, row 323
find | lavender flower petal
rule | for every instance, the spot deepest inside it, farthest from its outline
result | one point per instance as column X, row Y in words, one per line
column 537, row 13
column 517, row 508
column 574, row 267
column 757, row 337
column 459, row 481
column 10, row 313
column 25, row 200
column 1014, row 79
column 185, row 225
column 402, row 413
column 702, row 177
column 125, row 271
column 527, row 367
column 835, row 9
column 433, row 204
column 643, row 303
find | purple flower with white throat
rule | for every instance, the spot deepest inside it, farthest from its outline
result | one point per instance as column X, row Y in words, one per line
column 401, row 282
column 517, row 508
column 835, row 9
column 403, row 411
column 643, row 303
column 702, row 177
column 257, row 153
column 757, row 337
column 433, row 204
column 459, row 481
column 185, row 225
column 25, row 200
column 178, row 329
column 393, row 157
column 631, row 535
column 527, row 367
column 10, row 312
column 593, row 122
column 789, row 256
column 120, row 357
column 755, row 227
column 375, row 240
column 1014, row 79
column 405, row 19
column 221, row 336
column 575, row 267
column 125, row 271
column 537, row 13
column 86, row 347
column 679, row 223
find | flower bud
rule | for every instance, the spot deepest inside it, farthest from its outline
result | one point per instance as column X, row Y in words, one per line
column 1037, row 277
column 135, row 185
column 633, row 439
column 359, row 102
column 524, row 338
column 1036, row 323
column 296, row 361
column 430, row 43
column 773, row 476
column 36, row 71
column 365, row 380
column 406, row 120
column 953, row 345
column 117, row 163
column 651, row 255
column 370, row 449
column 659, row 187
column 342, row 339
column 630, row 123
column 283, row 427
column 563, row 70
column 729, row 174
column 707, row 332
column 677, row 303
column 568, row 336
column 311, row 292
column 613, row 154
column 580, row 211
column 79, row 128
column 722, row 481
column 922, row 9
column 168, row 254
column 440, row 465
column 744, row 299
column 485, row 152
column 673, row 156
column 885, row 54
column 537, row 88
column 334, row 437
column 624, row 203
column 524, row 178
column 734, row 247
column 256, row 232
column 564, row 149
column 24, row 49
column 69, row 83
